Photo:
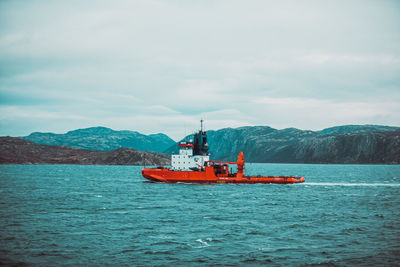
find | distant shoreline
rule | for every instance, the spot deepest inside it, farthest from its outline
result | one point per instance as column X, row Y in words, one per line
column 248, row 163
column 351, row 144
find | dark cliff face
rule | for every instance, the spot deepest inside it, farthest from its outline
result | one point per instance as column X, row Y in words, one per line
column 343, row 144
column 19, row 151
column 375, row 147
column 105, row 139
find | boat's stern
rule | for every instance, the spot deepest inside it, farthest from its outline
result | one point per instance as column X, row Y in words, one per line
column 294, row 180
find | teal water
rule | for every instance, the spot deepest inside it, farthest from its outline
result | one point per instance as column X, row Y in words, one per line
column 107, row 215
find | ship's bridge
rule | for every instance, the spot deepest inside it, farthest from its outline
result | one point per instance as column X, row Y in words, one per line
column 186, row 160
column 186, row 148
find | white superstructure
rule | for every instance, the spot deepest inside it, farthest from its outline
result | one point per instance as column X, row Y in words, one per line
column 186, row 161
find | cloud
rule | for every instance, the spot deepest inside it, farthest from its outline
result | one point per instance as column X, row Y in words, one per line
column 316, row 114
column 154, row 65
column 324, row 59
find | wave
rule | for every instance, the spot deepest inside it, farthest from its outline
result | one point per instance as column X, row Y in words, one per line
column 352, row 184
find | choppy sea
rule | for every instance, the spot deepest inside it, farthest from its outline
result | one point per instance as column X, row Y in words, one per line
column 342, row 215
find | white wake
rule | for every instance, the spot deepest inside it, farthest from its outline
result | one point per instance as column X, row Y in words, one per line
column 352, row 184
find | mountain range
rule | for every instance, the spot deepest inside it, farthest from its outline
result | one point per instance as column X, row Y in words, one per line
column 104, row 139
column 341, row 144
column 373, row 144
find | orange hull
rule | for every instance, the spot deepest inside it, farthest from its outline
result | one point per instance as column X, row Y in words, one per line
column 209, row 176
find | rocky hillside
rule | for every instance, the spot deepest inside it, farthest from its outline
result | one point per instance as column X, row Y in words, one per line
column 358, row 129
column 19, row 151
column 105, row 139
column 343, row 144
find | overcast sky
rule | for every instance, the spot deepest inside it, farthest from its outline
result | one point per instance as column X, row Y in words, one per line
column 159, row 66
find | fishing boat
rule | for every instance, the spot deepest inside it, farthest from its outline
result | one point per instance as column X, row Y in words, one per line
column 193, row 165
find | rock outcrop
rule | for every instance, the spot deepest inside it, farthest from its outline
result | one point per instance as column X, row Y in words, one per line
column 19, row 151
